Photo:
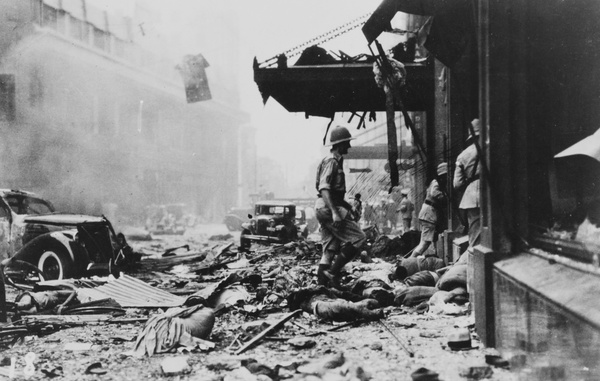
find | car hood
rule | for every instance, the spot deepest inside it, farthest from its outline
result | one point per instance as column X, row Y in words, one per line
column 64, row 219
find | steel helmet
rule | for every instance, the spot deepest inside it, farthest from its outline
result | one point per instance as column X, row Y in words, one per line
column 476, row 123
column 338, row 135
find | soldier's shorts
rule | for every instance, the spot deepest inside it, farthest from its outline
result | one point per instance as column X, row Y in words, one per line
column 428, row 232
column 333, row 237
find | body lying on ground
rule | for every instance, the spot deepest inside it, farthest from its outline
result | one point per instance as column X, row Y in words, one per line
column 331, row 304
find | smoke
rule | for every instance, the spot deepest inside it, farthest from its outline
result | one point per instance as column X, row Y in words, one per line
column 90, row 133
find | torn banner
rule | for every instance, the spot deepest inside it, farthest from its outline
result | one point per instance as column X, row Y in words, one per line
column 192, row 69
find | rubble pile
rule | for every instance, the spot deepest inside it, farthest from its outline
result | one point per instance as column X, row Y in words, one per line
column 204, row 307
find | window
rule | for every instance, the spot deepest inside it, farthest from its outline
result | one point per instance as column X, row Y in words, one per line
column 37, row 9
column 564, row 191
column 276, row 210
column 21, row 204
column 36, row 206
column 4, row 211
column 50, row 17
column 100, row 39
column 77, row 29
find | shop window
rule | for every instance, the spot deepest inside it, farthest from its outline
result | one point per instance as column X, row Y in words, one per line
column 565, row 143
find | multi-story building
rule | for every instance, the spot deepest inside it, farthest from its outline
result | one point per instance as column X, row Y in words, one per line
column 93, row 112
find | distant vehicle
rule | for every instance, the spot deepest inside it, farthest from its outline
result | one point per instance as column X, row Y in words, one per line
column 236, row 217
column 311, row 218
column 306, row 220
column 166, row 219
column 60, row 245
column 274, row 222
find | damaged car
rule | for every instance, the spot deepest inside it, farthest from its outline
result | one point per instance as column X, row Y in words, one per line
column 166, row 219
column 273, row 222
column 58, row 245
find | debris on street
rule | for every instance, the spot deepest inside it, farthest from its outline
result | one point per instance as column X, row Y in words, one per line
column 176, row 327
column 207, row 307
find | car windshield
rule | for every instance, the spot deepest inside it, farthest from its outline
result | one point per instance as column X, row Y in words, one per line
column 22, row 204
column 274, row 210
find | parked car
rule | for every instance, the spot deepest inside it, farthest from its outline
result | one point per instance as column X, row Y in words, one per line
column 235, row 217
column 60, row 245
column 273, row 222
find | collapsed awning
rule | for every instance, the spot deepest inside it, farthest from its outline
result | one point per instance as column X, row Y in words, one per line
column 448, row 31
column 322, row 90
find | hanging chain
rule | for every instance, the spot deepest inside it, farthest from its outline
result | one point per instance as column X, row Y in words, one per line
column 321, row 38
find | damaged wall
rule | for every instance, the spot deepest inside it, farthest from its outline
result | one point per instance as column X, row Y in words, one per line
column 92, row 128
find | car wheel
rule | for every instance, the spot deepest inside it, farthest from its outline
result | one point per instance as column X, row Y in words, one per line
column 55, row 263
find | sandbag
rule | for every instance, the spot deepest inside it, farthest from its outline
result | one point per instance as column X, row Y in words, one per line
column 456, row 276
column 413, row 296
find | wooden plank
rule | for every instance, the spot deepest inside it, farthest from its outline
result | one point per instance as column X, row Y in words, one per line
column 270, row 329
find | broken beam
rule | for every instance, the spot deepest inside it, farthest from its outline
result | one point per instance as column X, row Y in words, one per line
column 270, row 329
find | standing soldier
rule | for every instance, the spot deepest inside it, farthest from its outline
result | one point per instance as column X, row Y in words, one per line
column 466, row 179
column 357, row 207
column 406, row 210
column 381, row 210
column 392, row 214
column 342, row 237
column 369, row 214
column 431, row 215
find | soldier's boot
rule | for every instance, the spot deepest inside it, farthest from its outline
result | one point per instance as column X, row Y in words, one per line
column 347, row 253
column 322, row 280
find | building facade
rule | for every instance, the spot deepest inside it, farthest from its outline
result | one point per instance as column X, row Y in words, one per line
column 527, row 70
column 93, row 114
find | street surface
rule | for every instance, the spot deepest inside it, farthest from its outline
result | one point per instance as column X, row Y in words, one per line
column 305, row 348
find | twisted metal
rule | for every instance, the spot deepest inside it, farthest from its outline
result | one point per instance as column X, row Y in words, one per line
column 292, row 52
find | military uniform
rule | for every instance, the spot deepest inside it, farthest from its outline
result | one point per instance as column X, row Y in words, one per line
column 431, row 214
column 466, row 176
column 330, row 176
column 406, row 209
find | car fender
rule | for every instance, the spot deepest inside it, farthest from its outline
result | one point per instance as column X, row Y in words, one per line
column 64, row 238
